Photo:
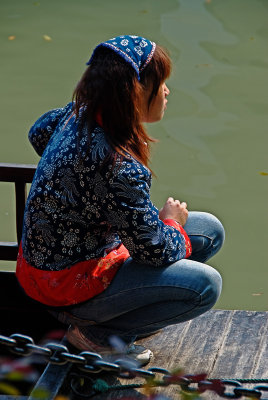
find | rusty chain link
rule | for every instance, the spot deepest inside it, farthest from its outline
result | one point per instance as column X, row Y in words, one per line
column 92, row 363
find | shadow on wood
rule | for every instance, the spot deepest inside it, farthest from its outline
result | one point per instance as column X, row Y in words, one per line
column 221, row 343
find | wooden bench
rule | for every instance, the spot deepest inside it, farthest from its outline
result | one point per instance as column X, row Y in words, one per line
column 12, row 299
column 20, row 175
column 20, row 314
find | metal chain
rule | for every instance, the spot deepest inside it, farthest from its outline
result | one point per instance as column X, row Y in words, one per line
column 93, row 363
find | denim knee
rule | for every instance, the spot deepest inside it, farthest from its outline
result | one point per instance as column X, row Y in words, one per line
column 218, row 234
column 212, row 290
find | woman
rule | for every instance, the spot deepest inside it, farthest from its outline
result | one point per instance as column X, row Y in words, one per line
column 95, row 250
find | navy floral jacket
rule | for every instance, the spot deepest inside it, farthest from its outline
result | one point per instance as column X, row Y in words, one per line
column 79, row 209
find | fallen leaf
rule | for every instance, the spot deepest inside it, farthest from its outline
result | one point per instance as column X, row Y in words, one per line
column 12, row 37
column 204, row 65
column 263, row 173
column 47, row 38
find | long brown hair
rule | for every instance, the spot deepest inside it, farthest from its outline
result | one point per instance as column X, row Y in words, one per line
column 110, row 91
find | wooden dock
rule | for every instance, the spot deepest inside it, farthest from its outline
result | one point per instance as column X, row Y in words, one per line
column 224, row 344
column 221, row 343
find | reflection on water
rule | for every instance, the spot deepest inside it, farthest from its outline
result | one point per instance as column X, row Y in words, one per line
column 213, row 138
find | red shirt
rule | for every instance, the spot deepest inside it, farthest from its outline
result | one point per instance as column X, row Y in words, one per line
column 80, row 281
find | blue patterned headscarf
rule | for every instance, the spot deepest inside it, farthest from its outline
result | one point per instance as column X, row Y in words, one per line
column 136, row 50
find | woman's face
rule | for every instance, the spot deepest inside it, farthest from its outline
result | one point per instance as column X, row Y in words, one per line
column 158, row 104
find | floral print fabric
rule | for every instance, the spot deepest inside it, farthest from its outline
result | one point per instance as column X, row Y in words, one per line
column 81, row 208
column 135, row 50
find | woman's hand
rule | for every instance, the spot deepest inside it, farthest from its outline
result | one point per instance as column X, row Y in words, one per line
column 174, row 209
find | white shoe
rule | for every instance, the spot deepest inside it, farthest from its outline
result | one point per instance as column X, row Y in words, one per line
column 132, row 351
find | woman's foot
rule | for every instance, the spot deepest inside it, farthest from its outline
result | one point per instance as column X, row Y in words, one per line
column 145, row 335
column 132, row 351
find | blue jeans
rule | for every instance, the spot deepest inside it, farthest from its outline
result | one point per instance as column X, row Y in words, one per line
column 142, row 298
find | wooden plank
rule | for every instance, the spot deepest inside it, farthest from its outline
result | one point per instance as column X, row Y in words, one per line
column 20, row 174
column 166, row 344
column 17, row 172
column 221, row 343
column 198, row 347
column 242, row 346
column 196, row 350
column 8, row 251
column 261, row 366
column 21, row 197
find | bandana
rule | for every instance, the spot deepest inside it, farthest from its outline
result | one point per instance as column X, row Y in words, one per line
column 135, row 50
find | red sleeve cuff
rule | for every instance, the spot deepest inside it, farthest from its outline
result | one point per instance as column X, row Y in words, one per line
column 177, row 226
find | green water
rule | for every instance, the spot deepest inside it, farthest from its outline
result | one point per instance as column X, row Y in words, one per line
column 213, row 140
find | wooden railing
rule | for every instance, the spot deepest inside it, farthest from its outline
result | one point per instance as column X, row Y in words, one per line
column 19, row 313
column 20, row 175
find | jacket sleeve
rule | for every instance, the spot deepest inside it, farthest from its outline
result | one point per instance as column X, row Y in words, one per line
column 42, row 130
column 147, row 238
